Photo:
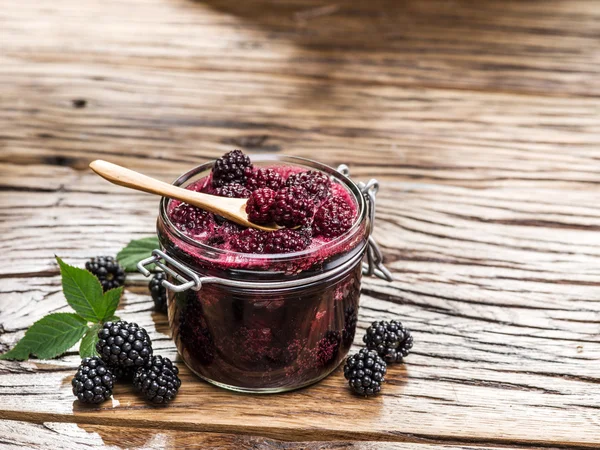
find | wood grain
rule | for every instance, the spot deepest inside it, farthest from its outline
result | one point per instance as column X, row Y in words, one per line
column 481, row 120
column 68, row 436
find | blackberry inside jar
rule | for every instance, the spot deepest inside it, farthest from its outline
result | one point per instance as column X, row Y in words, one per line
column 265, row 311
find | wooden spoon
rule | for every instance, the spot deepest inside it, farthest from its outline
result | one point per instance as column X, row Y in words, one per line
column 233, row 209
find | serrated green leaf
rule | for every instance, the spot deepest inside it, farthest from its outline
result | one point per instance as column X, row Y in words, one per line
column 111, row 301
column 87, row 348
column 83, row 292
column 19, row 352
column 135, row 251
column 50, row 336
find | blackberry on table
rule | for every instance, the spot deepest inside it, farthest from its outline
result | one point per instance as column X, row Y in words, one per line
column 158, row 291
column 230, row 168
column 107, row 270
column 124, row 344
column 316, row 183
column 122, row 373
column 365, row 372
column 233, row 190
column 259, row 206
column 333, row 218
column 158, row 380
column 285, row 241
column 263, row 178
column 292, row 207
column 93, row 382
column 391, row 340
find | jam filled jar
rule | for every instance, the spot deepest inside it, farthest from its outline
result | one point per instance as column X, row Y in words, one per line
column 266, row 323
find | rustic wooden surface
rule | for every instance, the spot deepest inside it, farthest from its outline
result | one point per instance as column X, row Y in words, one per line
column 481, row 119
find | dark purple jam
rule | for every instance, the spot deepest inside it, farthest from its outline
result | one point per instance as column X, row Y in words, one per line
column 255, row 338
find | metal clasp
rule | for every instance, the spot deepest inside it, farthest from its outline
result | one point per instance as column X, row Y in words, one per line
column 157, row 255
column 374, row 264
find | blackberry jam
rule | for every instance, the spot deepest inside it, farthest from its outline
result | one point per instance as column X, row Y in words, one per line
column 265, row 322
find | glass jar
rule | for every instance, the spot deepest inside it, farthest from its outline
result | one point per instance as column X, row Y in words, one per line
column 266, row 323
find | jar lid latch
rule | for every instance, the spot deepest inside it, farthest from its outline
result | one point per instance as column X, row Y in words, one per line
column 374, row 264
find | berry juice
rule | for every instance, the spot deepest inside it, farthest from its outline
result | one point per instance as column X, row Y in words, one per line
column 276, row 310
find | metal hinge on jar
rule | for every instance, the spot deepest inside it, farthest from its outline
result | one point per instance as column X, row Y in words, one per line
column 374, row 263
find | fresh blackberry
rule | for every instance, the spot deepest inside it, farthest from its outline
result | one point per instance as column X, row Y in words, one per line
column 285, row 241
column 93, row 382
column 249, row 241
column 158, row 380
column 191, row 219
column 158, row 292
column 259, row 206
column 230, row 168
column 263, row 178
column 333, row 218
column 292, row 207
column 365, row 372
column 391, row 340
column 124, row 344
column 107, row 270
column 233, row 190
column 316, row 183
column 122, row 373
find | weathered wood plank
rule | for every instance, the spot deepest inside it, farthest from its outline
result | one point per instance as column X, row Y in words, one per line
column 517, row 46
column 477, row 370
column 435, row 136
column 70, row 436
column 481, row 119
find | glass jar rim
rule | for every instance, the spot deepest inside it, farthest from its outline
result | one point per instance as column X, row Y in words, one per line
column 267, row 158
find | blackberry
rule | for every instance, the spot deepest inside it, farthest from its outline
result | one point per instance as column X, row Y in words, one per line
column 93, row 382
column 328, row 347
column 230, row 168
column 158, row 380
column 194, row 336
column 391, row 340
column 365, row 372
column 107, row 270
column 316, row 183
column 190, row 219
column 249, row 241
column 292, row 207
column 124, row 344
column 350, row 320
column 122, row 373
column 226, row 230
column 259, row 206
column 263, row 178
column 333, row 218
column 285, row 241
column 158, row 292
column 233, row 190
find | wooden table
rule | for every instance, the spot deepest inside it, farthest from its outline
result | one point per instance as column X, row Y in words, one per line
column 480, row 119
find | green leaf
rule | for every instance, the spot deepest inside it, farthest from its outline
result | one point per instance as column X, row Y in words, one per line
column 111, row 301
column 135, row 251
column 49, row 337
column 87, row 348
column 83, row 292
column 19, row 352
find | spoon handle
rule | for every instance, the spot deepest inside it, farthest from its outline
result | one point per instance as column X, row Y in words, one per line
column 233, row 209
column 134, row 180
